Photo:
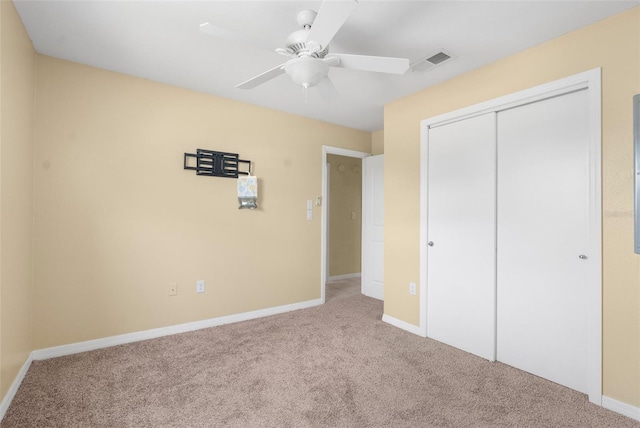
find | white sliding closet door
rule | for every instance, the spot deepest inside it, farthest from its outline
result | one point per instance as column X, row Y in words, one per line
column 461, row 235
column 543, row 236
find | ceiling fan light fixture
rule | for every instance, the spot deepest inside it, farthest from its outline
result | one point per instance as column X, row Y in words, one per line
column 306, row 71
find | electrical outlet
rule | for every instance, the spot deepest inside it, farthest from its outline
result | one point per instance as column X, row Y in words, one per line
column 200, row 286
column 412, row 288
column 173, row 289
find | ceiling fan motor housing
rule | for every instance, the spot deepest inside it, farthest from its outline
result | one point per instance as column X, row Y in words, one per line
column 298, row 45
column 297, row 42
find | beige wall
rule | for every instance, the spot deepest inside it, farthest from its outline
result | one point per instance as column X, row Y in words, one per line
column 16, row 113
column 614, row 45
column 117, row 219
column 345, row 232
column 377, row 142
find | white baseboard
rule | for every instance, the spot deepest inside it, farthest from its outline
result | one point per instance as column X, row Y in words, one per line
column 90, row 345
column 403, row 325
column 619, row 407
column 13, row 389
column 345, row 276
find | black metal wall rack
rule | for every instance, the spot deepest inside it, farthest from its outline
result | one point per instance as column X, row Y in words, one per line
column 216, row 164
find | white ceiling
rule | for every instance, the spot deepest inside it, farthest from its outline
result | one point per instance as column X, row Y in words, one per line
column 161, row 41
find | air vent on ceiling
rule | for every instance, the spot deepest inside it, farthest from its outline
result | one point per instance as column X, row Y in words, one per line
column 430, row 61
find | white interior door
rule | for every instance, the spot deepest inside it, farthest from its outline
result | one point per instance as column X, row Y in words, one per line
column 327, row 202
column 373, row 227
column 461, row 235
column 543, row 236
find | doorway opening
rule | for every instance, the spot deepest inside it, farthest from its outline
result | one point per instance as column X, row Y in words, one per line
column 341, row 215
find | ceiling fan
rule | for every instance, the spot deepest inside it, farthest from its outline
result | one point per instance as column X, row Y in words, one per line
column 308, row 50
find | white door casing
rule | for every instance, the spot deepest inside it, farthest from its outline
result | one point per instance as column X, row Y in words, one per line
column 461, row 235
column 373, row 227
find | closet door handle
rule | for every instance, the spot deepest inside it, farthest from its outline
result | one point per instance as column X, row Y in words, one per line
column 430, row 243
column 582, row 256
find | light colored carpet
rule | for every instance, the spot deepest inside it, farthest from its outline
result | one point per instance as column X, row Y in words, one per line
column 336, row 365
column 340, row 289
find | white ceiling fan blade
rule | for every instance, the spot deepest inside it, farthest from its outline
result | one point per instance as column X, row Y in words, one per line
column 262, row 78
column 327, row 91
column 232, row 36
column 381, row 64
column 331, row 16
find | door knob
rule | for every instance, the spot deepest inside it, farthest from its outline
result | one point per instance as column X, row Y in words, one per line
column 430, row 243
column 582, row 256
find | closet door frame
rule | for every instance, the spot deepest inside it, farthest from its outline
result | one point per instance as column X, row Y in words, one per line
column 591, row 81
